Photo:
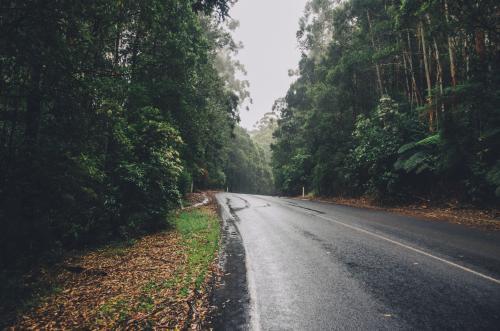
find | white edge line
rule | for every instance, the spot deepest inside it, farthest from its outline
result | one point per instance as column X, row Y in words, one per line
column 494, row 280
column 252, row 289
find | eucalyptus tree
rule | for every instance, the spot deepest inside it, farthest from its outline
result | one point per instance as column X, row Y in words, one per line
column 437, row 60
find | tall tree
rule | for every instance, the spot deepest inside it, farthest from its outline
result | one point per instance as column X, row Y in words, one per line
column 105, row 108
column 337, row 132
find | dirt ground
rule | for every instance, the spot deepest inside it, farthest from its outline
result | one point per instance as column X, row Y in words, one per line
column 451, row 212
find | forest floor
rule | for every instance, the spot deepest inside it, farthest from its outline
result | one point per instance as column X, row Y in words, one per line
column 160, row 281
column 453, row 212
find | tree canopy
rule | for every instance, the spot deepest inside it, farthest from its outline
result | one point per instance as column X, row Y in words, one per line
column 108, row 111
column 111, row 110
column 248, row 168
column 394, row 99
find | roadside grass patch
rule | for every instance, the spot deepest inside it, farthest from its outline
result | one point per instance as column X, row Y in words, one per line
column 200, row 231
column 118, row 308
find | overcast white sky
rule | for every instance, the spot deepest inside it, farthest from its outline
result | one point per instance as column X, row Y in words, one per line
column 267, row 30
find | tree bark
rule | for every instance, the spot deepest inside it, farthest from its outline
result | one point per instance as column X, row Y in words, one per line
column 409, row 93
column 479, row 37
column 377, row 66
column 410, row 62
column 427, row 77
column 453, row 69
column 439, row 81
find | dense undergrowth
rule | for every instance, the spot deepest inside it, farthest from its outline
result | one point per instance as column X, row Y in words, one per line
column 109, row 112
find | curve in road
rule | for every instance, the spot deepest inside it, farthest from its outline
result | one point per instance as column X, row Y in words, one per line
column 318, row 266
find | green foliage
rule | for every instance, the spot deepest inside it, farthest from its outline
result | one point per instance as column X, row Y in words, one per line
column 200, row 236
column 493, row 177
column 107, row 110
column 247, row 168
column 369, row 114
column 262, row 135
column 185, row 180
column 377, row 139
column 420, row 156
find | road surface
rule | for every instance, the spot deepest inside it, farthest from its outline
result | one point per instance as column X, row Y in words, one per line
column 301, row 265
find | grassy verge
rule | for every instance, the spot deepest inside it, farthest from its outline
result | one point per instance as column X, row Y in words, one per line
column 157, row 281
column 199, row 229
column 199, row 240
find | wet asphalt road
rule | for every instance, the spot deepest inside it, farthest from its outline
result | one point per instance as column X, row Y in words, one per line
column 318, row 266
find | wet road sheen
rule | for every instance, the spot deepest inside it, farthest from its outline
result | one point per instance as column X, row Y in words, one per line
column 319, row 266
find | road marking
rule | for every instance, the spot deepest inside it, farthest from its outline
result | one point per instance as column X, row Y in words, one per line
column 416, row 250
column 494, row 280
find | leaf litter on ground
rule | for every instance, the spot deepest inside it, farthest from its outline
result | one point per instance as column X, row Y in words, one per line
column 162, row 281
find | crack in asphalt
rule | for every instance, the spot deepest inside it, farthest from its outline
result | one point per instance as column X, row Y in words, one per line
column 302, row 207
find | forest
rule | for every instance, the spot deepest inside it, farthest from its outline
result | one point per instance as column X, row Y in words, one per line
column 121, row 122
column 110, row 111
column 396, row 100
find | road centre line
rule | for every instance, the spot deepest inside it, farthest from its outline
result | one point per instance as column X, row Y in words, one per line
column 416, row 250
column 477, row 273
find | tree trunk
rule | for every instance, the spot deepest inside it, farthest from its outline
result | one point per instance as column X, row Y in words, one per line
column 377, row 67
column 117, row 45
column 467, row 59
column 479, row 37
column 427, row 78
column 439, row 81
column 412, row 71
column 453, row 69
column 409, row 93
